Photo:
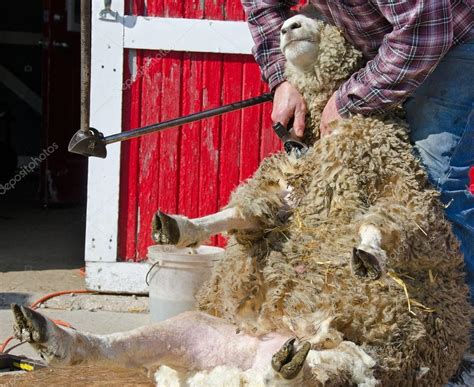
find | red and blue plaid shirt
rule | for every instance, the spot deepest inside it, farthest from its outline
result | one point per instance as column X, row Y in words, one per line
column 403, row 42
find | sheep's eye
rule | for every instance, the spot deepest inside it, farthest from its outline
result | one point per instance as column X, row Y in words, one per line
column 283, row 31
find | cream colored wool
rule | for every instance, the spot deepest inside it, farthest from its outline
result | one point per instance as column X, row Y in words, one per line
column 298, row 265
column 220, row 376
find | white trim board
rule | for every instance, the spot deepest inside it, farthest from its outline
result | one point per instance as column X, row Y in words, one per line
column 106, row 116
column 117, row 277
column 195, row 35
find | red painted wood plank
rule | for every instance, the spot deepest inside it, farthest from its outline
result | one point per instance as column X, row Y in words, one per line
column 170, row 139
column 214, row 10
column 209, row 164
column 190, row 136
column 128, row 202
column 234, row 10
column 154, row 8
column 149, row 154
column 270, row 143
column 135, row 7
column 251, row 121
column 188, row 191
column 174, row 8
column 230, row 131
column 194, row 9
column 210, row 137
column 171, row 108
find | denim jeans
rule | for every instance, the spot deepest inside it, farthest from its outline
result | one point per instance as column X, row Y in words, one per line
column 441, row 118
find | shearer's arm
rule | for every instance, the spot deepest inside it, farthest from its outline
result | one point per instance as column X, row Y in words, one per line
column 422, row 33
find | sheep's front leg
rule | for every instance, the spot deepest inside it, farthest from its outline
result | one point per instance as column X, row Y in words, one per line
column 368, row 258
column 184, row 232
column 260, row 203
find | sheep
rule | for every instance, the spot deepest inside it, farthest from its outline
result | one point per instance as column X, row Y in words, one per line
column 340, row 268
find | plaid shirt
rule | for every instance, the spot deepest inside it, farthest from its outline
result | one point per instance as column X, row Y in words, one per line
column 403, row 42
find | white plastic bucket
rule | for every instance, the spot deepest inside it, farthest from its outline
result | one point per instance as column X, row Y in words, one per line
column 176, row 276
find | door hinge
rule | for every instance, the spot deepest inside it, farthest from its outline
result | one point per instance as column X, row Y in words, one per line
column 107, row 14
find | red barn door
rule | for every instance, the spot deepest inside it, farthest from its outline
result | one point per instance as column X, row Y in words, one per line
column 151, row 61
column 189, row 170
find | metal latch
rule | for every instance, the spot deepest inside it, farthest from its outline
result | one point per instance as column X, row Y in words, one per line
column 107, row 14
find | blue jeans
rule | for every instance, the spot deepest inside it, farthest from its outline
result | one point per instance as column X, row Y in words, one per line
column 441, row 119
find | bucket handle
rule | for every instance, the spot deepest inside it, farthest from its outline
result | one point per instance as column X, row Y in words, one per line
column 162, row 263
column 149, row 271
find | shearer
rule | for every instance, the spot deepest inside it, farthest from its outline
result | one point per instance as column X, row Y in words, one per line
column 419, row 54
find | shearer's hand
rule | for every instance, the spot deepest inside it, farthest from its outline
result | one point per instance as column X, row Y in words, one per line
column 288, row 103
column 329, row 115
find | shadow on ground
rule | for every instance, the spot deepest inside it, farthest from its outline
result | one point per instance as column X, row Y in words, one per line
column 37, row 238
column 6, row 299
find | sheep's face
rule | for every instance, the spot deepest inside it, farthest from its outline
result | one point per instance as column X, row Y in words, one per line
column 299, row 41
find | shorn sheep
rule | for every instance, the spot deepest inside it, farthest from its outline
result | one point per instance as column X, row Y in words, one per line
column 340, row 268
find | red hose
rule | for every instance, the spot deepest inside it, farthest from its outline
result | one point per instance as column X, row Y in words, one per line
column 5, row 343
column 52, row 295
column 35, row 304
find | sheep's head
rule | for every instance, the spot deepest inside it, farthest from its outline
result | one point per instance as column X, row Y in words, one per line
column 313, row 47
column 319, row 59
column 299, row 41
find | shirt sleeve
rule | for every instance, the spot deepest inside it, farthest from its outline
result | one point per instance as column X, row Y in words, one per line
column 265, row 18
column 422, row 33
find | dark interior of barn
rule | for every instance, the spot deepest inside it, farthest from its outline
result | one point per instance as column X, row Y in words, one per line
column 42, row 186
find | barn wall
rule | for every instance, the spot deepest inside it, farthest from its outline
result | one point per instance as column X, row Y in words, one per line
column 189, row 170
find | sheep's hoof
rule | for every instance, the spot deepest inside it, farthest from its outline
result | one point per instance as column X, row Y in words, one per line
column 30, row 326
column 367, row 264
column 288, row 362
column 177, row 230
column 165, row 230
column 50, row 341
column 282, row 357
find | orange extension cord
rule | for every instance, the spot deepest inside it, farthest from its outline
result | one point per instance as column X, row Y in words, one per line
column 35, row 304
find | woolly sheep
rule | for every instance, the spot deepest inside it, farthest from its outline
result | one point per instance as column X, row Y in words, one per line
column 345, row 248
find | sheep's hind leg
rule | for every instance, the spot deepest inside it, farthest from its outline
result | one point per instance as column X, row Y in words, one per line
column 369, row 259
column 50, row 341
column 191, row 341
column 184, row 232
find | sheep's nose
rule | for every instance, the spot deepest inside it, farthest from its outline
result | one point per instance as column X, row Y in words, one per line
column 295, row 25
column 292, row 26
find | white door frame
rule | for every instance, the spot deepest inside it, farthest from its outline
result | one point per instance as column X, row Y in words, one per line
column 109, row 39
